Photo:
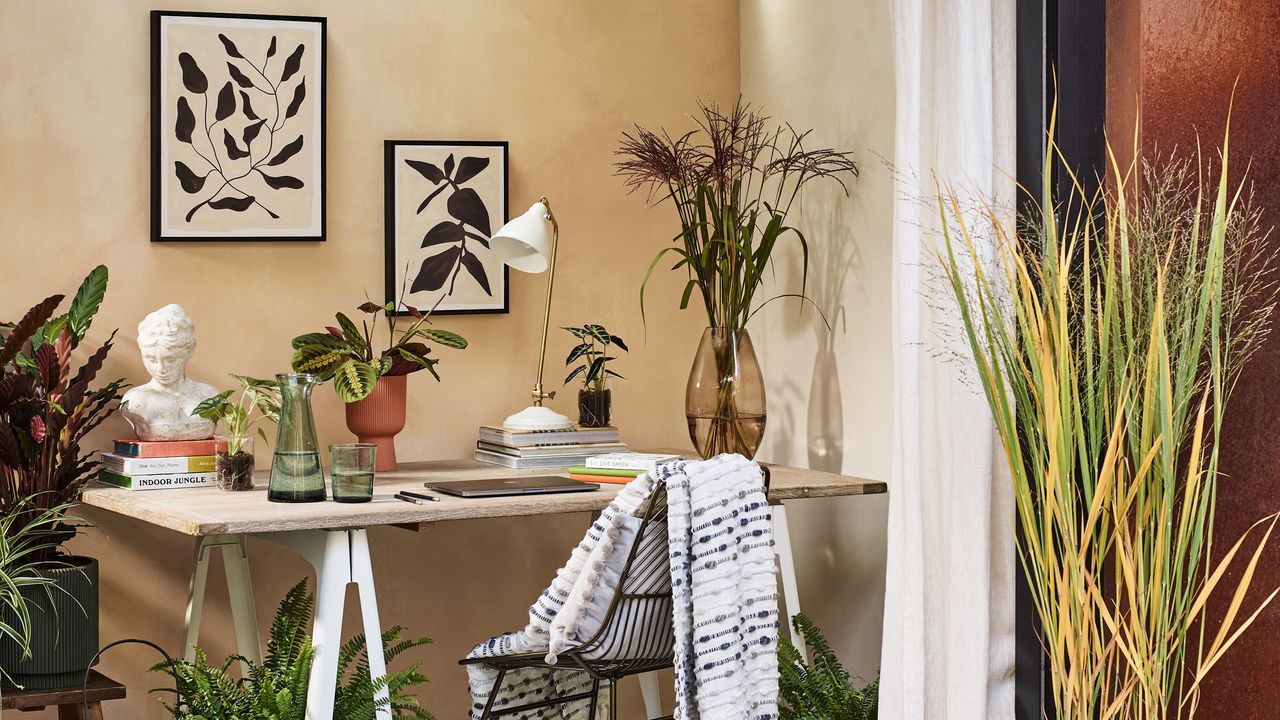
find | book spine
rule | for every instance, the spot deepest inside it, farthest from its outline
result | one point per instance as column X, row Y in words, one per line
column 164, row 449
column 159, row 466
column 607, row 463
column 586, row 470
column 157, row 482
column 611, row 479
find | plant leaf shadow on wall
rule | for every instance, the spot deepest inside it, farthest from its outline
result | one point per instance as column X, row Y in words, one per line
column 234, row 159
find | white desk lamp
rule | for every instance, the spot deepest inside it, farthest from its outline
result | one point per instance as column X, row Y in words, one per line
column 525, row 245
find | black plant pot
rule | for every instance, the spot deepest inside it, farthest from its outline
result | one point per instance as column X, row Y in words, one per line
column 594, row 407
column 64, row 628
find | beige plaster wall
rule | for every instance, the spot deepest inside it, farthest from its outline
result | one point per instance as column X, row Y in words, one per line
column 828, row 65
column 559, row 79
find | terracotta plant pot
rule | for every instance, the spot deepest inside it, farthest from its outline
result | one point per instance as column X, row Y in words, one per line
column 377, row 418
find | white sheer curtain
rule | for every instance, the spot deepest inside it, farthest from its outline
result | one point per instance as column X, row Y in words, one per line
column 948, row 635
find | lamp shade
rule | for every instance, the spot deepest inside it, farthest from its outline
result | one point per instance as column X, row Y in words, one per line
column 525, row 242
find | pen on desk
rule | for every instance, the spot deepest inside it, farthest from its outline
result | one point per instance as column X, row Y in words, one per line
column 415, row 501
column 420, row 496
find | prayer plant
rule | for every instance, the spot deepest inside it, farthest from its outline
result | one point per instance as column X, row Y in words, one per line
column 276, row 689
column 48, row 406
column 346, row 355
column 1107, row 341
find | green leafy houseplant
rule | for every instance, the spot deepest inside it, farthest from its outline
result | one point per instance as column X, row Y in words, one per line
column 259, row 400
column 733, row 182
column 22, row 536
column 821, row 689
column 595, row 401
column 1107, row 345
column 276, row 689
column 346, row 354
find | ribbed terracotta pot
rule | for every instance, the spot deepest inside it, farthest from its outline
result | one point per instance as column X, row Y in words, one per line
column 64, row 635
column 378, row 418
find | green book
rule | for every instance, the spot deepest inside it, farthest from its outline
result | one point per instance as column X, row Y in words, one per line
column 584, row 470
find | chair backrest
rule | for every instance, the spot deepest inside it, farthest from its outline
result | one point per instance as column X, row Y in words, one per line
column 636, row 635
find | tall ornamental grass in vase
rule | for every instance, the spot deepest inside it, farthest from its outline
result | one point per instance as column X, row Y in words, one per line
column 732, row 180
column 1107, row 344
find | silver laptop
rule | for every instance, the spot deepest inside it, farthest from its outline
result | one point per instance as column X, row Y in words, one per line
column 535, row 485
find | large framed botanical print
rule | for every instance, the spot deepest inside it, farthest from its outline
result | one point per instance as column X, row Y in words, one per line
column 237, row 127
column 443, row 201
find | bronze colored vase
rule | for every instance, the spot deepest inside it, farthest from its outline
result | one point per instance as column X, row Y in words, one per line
column 378, row 418
column 724, row 401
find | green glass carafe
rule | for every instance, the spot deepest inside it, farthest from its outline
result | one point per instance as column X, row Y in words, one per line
column 295, row 470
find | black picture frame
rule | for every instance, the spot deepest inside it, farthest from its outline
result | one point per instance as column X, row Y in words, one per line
column 395, row 265
column 318, row 89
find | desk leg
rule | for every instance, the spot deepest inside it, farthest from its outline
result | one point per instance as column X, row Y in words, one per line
column 649, row 689
column 787, row 567
column 339, row 557
column 235, row 560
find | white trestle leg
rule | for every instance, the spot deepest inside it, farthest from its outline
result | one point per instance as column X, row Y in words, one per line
column 787, row 568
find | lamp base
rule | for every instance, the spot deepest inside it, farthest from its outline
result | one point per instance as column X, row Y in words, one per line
column 536, row 417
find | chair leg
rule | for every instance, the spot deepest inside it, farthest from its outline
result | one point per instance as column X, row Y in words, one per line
column 493, row 695
column 595, row 699
column 613, row 700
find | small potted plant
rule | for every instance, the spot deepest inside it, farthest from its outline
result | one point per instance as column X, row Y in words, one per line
column 259, row 400
column 372, row 383
column 595, row 398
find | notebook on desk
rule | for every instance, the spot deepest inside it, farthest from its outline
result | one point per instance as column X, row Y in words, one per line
column 537, row 485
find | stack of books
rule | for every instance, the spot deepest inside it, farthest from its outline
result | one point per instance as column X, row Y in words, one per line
column 156, row 465
column 545, row 448
column 620, row 467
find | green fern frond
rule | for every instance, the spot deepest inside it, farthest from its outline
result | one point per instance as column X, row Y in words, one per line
column 821, row 689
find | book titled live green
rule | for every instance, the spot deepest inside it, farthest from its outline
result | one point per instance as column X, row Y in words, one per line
column 156, row 482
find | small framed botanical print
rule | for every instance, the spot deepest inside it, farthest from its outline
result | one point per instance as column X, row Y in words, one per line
column 443, row 202
column 237, row 127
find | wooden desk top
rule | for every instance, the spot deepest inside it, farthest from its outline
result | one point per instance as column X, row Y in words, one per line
column 209, row 511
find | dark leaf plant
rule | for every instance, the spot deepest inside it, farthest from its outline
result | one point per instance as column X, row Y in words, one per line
column 346, row 355
column 447, row 240
column 48, row 405
column 276, row 689
column 259, row 401
column 592, row 354
column 821, row 689
column 1107, row 342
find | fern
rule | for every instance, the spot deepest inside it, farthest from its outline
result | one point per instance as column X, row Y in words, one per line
column 822, row 689
column 276, row 689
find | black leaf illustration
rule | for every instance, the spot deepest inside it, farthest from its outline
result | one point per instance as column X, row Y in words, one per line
column 281, row 181
column 246, row 107
column 476, row 268
column 435, row 270
column 232, row 50
column 193, row 78
column 427, row 170
column 427, row 200
column 469, row 168
column 444, row 232
column 292, row 64
column 271, row 49
column 466, row 205
column 448, row 165
column 233, row 151
column 185, row 123
column 241, row 79
column 287, row 152
column 299, row 93
column 251, row 132
column 226, row 102
column 232, row 203
column 190, row 181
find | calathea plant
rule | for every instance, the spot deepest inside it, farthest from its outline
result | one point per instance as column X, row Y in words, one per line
column 346, row 355
column 47, row 407
column 259, row 400
column 592, row 353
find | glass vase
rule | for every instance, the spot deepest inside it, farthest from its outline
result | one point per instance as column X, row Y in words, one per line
column 295, row 469
column 724, row 401
column 233, row 461
column 595, row 406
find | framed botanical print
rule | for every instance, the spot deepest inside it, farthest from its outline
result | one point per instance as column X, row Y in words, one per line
column 443, row 202
column 237, row 127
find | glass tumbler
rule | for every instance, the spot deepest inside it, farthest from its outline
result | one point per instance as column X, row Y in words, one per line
column 351, row 467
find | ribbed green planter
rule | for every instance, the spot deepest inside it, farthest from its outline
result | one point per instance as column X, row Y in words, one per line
column 64, row 628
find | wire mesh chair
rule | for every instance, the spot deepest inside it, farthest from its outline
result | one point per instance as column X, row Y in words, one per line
column 635, row 637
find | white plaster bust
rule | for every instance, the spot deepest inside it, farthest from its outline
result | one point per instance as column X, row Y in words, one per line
column 161, row 409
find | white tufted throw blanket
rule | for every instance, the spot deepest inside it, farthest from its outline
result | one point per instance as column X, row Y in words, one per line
column 724, row 593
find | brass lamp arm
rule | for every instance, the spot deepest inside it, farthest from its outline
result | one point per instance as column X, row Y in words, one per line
column 538, row 393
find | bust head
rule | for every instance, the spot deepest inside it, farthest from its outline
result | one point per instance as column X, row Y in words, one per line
column 167, row 337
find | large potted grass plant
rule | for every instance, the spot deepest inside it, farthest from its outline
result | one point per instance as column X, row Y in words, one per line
column 1108, row 331
column 47, row 407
